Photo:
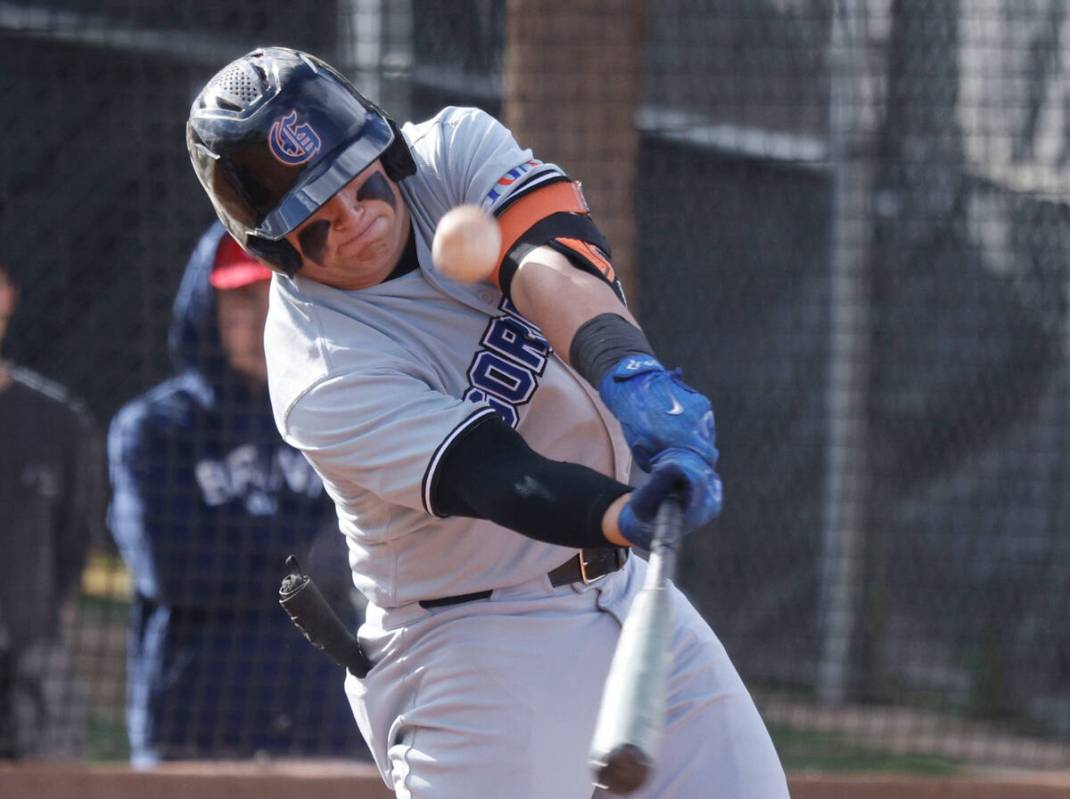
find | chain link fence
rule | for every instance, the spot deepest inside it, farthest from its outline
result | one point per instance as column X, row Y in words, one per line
column 849, row 226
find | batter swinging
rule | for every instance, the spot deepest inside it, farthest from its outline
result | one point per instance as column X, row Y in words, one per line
column 476, row 438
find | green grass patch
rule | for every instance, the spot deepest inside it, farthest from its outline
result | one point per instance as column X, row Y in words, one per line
column 802, row 750
column 103, row 607
column 106, row 740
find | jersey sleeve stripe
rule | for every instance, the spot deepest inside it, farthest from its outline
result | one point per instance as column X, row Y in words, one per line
column 529, row 183
column 430, row 478
column 516, row 177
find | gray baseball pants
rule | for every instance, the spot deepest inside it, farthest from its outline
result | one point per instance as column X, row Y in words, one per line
column 498, row 698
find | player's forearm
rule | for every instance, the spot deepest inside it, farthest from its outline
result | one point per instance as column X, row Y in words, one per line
column 665, row 421
column 560, row 298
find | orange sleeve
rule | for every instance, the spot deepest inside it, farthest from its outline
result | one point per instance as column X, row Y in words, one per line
column 519, row 216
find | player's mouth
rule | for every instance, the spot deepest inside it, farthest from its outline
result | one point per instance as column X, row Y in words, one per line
column 373, row 230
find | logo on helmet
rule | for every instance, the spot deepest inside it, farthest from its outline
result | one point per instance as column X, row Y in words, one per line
column 293, row 144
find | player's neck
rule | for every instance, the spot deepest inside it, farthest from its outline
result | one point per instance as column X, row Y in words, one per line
column 402, row 243
column 409, row 260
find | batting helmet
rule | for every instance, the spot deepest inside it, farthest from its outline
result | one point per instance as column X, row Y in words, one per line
column 274, row 135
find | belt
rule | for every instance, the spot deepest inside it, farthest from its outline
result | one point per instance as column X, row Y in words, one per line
column 588, row 566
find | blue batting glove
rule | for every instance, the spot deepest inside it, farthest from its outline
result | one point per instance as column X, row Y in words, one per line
column 658, row 411
column 675, row 471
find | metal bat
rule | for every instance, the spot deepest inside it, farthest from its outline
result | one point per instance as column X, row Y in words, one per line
column 632, row 715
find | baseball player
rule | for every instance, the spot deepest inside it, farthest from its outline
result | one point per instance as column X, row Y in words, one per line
column 476, row 438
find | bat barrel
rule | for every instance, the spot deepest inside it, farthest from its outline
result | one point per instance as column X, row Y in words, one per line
column 632, row 715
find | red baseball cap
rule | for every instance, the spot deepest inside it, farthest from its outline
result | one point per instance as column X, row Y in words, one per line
column 234, row 268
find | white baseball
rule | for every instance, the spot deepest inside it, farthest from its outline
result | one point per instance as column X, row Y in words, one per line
column 466, row 245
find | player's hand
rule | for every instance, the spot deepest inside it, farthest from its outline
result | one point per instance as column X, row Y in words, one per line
column 679, row 472
column 658, row 411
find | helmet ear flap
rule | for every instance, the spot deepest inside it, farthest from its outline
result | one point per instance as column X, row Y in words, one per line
column 281, row 255
column 397, row 159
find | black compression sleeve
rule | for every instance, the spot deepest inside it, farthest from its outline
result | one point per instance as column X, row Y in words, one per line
column 491, row 473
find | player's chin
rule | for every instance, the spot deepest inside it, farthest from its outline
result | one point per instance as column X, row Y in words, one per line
column 372, row 254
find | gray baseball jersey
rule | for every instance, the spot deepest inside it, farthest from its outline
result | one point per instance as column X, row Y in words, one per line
column 373, row 385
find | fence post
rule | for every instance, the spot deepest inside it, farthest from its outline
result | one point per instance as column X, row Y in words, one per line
column 851, row 127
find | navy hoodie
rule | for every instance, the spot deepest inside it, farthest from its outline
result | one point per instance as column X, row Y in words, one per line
column 207, row 502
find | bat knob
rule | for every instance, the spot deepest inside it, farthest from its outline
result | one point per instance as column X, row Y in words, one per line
column 623, row 770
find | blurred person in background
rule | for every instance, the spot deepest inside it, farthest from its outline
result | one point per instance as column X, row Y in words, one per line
column 207, row 503
column 52, row 497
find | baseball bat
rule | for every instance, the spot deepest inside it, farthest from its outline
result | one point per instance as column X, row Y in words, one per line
column 312, row 615
column 631, row 718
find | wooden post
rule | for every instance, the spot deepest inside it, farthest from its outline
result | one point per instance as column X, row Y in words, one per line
column 571, row 86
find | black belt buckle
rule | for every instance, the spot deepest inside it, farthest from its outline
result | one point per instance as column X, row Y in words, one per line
column 592, row 575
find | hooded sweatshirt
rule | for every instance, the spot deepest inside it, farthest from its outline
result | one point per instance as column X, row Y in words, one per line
column 207, row 502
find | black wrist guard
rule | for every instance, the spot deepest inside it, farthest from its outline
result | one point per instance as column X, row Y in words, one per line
column 602, row 342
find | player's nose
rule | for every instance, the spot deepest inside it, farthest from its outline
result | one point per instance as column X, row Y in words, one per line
column 343, row 211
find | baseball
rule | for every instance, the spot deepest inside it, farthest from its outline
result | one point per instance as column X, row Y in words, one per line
column 466, row 245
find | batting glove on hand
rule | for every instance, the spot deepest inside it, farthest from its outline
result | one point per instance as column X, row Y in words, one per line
column 676, row 471
column 658, row 411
